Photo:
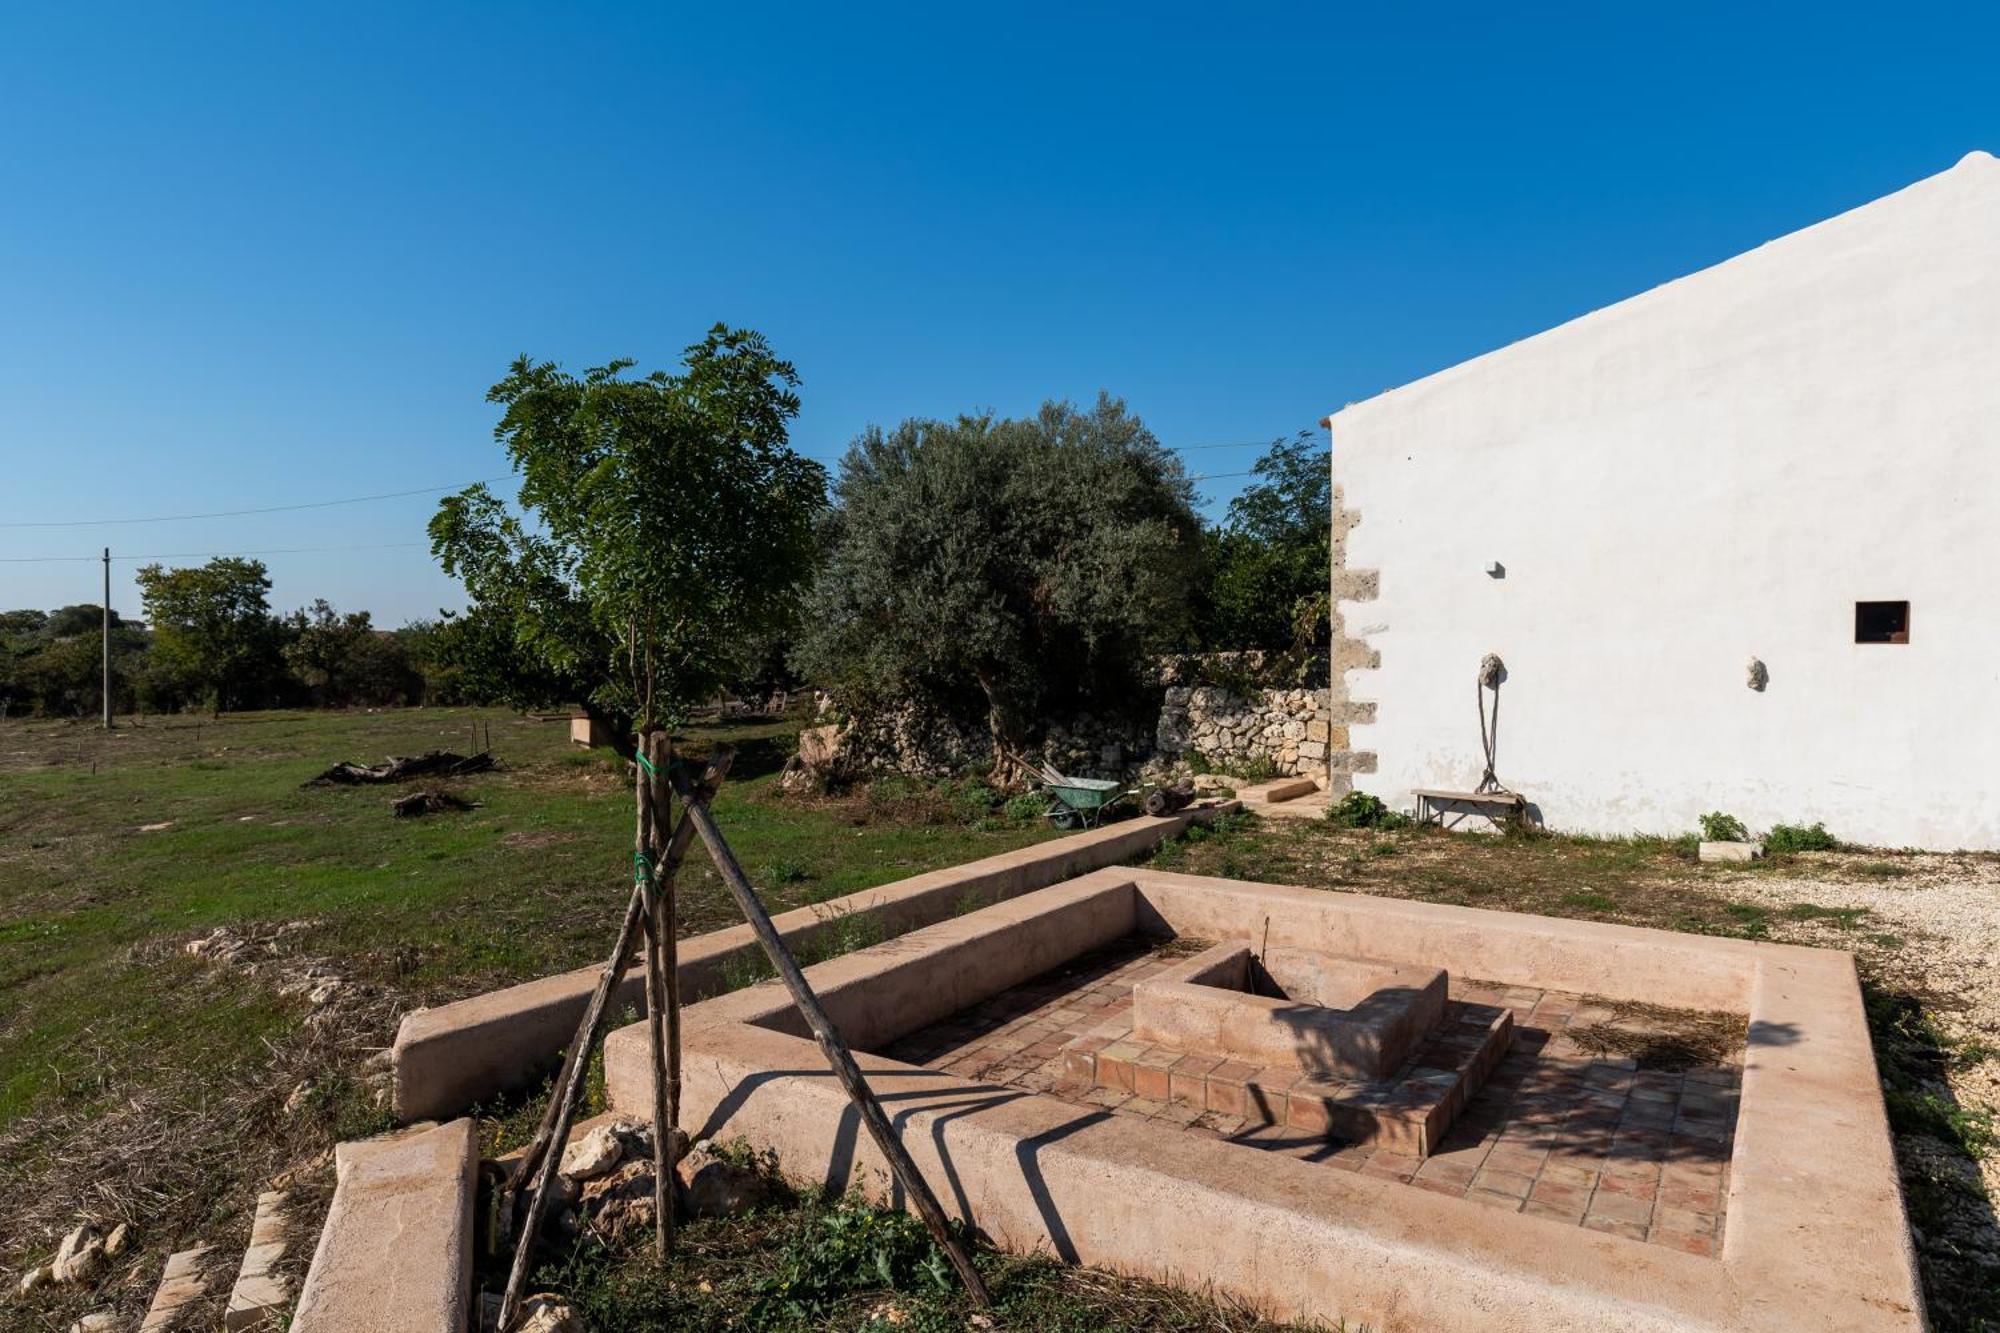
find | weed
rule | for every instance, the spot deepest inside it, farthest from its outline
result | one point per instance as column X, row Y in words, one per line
column 837, row 932
column 746, row 969
column 1358, row 809
column 1882, row 870
column 1847, row 918
column 1024, row 808
column 1257, row 768
column 1590, row 900
column 1799, row 838
column 849, row 1249
column 782, row 872
column 1753, row 922
column 1719, row 827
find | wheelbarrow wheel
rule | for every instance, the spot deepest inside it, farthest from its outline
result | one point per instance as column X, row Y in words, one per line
column 1065, row 818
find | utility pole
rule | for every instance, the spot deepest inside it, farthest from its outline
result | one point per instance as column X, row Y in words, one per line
column 106, row 608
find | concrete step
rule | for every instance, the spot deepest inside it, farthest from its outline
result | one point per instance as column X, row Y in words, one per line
column 1286, row 798
column 188, row 1278
column 262, row 1294
column 396, row 1253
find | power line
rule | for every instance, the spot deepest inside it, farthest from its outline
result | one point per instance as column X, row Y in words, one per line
column 210, row 555
column 238, row 513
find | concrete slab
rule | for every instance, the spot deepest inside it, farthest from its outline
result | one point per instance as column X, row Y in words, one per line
column 396, row 1253
column 185, row 1281
column 449, row 1057
column 1816, row 1238
column 262, row 1293
column 1731, row 851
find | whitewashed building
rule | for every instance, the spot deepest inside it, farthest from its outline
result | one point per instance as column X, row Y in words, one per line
column 1786, row 466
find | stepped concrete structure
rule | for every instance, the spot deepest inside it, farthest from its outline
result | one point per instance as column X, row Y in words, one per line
column 1570, row 1187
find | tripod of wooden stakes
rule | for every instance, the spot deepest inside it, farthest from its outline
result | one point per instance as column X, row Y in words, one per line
column 660, row 844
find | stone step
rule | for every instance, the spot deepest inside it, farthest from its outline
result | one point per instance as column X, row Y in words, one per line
column 262, row 1294
column 187, row 1280
column 396, row 1252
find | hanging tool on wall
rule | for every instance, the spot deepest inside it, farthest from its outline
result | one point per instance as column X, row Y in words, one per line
column 1491, row 672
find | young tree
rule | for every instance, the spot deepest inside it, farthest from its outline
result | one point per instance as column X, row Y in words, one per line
column 1034, row 561
column 666, row 524
column 213, row 628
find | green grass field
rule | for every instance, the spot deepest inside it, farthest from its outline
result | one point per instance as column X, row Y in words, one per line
column 529, row 883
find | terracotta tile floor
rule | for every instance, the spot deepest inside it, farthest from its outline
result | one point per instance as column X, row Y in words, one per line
column 1556, row 1132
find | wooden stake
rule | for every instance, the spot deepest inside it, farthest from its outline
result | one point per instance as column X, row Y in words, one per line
column 835, row 1049
column 646, row 841
column 544, row 1152
column 667, row 933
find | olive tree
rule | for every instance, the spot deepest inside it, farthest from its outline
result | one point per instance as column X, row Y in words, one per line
column 1028, row 563
column 664, row 525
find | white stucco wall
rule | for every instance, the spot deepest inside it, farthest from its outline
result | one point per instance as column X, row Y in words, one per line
column 1716, row 469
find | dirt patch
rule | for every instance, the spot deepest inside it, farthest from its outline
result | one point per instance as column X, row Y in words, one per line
column 1667, row 1039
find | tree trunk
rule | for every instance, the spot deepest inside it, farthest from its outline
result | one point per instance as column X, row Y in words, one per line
column 1005, row 771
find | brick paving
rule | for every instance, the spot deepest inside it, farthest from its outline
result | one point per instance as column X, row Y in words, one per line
column 1557, row 1132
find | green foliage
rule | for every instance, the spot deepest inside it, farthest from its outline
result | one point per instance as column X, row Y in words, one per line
column 1026, row 566
column 1719, row 827
column 214, row 638
column 1358, row 809
column 846, row 1250
column 1026, row 806
column 783, row 872
column 1257, row 768
column 1266, row 585
column 1799, row 838
column 343, row 659
column 666, row 524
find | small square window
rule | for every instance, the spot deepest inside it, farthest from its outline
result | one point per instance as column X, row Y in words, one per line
column 1881, row 622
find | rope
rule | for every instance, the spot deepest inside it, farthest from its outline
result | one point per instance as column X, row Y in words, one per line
column 1491, row 669
column 642, row 868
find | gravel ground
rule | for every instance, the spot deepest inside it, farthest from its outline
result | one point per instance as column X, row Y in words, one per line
column 1944, row 912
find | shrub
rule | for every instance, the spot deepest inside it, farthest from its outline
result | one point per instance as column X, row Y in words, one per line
column 1025, row 807
column 848, row 1250
column 1718, row 827
column 1800, row 838
column 1358, row 809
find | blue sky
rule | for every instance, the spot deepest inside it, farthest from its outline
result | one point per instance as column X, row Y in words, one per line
column 267, row 254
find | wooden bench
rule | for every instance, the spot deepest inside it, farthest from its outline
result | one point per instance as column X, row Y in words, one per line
column 1433, row 805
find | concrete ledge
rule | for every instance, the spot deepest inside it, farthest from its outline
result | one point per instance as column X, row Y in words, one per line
column 450, row 1057
column 396, row 1253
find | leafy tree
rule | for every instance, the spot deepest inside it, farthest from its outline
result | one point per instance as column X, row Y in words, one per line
column 1028, row 563
column 666, row 524
column 214, row 635
column 52, row 662
column 1268, row 566
column 343, row 659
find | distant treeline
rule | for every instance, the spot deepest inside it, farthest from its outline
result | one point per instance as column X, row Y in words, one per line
column 211, row 641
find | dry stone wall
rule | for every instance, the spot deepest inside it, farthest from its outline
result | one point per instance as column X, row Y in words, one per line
column 1291, row 729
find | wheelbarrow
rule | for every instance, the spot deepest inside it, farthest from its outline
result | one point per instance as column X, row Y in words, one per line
column 1079, row 802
